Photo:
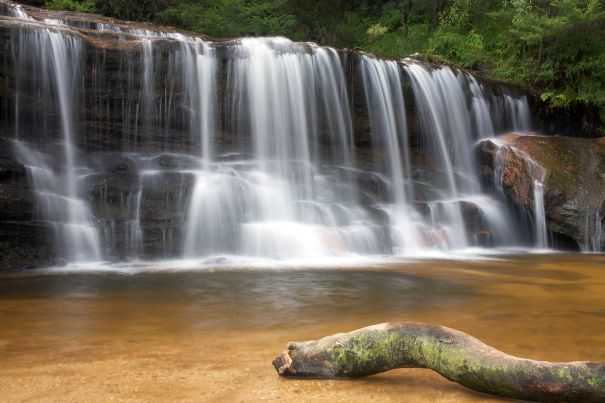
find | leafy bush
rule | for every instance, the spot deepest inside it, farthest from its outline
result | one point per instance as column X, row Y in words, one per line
column 376, row 31
column 83, row 6
column 465, row 49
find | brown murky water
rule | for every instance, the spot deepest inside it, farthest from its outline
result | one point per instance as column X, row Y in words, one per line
column 211, row 335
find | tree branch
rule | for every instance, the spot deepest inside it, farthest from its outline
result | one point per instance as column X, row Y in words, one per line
column 456, row 355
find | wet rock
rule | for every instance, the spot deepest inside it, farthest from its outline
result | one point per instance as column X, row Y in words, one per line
column 171, row 161
column 25, row 245
column 472, row 217
column 574, row 183
column 23, row 240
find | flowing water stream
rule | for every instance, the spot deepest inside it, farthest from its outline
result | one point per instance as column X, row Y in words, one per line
column 276, row 171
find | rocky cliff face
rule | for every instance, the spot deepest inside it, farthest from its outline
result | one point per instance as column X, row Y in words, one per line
column 574, row 180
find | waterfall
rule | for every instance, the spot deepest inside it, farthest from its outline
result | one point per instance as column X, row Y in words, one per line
column 278, row 203
column 484, row 126
column 206, row 76
column 173, row 146
column 520, row 112
column 382, row 82
column 538, row 175
column 147, row 95
column 17, row 11
column 57, row 186
column 540, row 230
column 594, row 231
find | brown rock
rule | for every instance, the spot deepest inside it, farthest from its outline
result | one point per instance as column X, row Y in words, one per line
column 574, row 180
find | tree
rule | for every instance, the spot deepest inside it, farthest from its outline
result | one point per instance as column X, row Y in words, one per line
column 407, row 7
column 438, row 6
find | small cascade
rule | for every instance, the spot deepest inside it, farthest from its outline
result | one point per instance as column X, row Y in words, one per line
column 177, row 81
column 455, row 111
column 538, row 176
column 594, row 235
column 56, row 178
column 218, row 206
column 134, row 232
column 484, row 127
column 147, row 94
column 15, row 10
column 540, row 231
column 519, row 110
column 384, row 97
column 445, row 120
column 279, row 203
column 512, row 113
column 206, row 80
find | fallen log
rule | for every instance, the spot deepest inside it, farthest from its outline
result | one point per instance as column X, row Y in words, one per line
column 455, row 355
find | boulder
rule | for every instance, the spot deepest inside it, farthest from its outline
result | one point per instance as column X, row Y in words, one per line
column 573, row 178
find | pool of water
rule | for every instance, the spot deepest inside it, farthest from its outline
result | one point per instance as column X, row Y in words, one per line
column 211, row 334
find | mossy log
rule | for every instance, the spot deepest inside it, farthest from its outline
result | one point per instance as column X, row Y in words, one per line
column 455, row 355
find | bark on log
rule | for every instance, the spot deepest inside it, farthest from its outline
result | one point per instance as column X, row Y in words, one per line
column 453, row 354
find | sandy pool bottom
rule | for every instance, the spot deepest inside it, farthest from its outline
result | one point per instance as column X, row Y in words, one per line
column 211, row 336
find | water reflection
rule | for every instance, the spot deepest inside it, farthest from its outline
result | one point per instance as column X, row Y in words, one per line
column 197, row 300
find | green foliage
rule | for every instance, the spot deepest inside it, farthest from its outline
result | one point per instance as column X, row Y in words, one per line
column 393, row 43
column 82, row 6
column 466, row 49
column 558, row 47
column 230, row 18
column 376, row 31
column 135, row 10
column 458, row 14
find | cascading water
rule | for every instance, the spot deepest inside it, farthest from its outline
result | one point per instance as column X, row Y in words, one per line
column 56, row 184
column 382, row 82
column 541, row 233
column 186, row 148
column 446, row 121
column 484, row 127
column 279, row 202
column 593, row 238
column 538, row 175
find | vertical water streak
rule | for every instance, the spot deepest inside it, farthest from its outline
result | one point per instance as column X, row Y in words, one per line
column 271, row 76
column 384, row 97
column 435, row 114
column 334, row 99
column 15, row 10
column 134, row 231
column 82, row 242
column 59, row 57
column 593, row 230
column 540, row 231
column 206, row 76
column 521, row 115
column 484, row 125
column 146, row 106
column 443, row 114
